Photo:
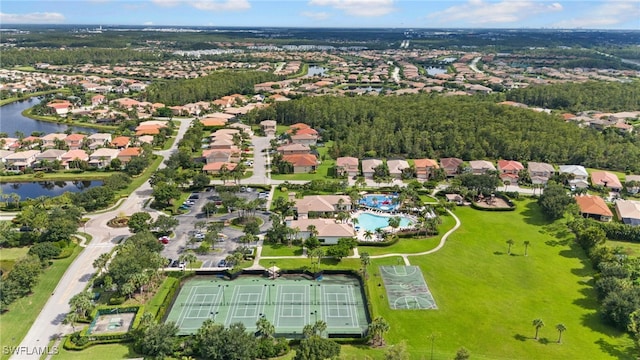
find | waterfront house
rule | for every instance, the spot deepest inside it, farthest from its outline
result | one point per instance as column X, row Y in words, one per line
column 74, row 141
column 70, row 158
column 50, row 140
column 20, row 160
column 125, row 155
column 50, row 155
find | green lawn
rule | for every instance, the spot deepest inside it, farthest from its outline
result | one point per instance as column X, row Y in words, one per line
column 487, row 299
column 13, row 253
column 15, row 323
column 327, row 264
column 98, row 352
column 281, row 250
column 631, row 249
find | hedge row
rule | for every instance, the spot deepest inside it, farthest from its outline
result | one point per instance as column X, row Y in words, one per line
column 160, row 302
column 82, row 339
column 394, row 240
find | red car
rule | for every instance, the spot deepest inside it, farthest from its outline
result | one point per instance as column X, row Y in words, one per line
column 164, row 240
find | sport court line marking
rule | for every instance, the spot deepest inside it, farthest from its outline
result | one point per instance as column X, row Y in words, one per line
column 181, row 317
column 351, row 308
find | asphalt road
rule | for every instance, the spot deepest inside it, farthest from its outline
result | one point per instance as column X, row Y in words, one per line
column 48, row 324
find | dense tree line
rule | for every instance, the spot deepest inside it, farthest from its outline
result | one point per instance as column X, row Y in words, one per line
column 97, row 56
column 575, row 97
column 617, row 279
column 206, row 88
column 466, row 127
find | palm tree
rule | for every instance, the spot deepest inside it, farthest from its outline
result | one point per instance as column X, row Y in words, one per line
column 510, row 242
column 81, row 304
column 313, row 231
column 189, row 257
column 394, row 222
column 308, row 331
column 377, row 328
column 71, row 318
column 265, row 328
column 101, row 262
column 365, row 260
column 368, row 235
column 526, row 246
column 561, row 328
column 319, row 327
column 538, row 323
column 316, row 253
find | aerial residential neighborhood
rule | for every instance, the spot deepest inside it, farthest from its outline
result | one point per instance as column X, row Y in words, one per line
column 312, row 193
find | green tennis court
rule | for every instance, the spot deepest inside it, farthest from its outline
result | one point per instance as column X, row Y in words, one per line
column 406, row 288
column 289, row 302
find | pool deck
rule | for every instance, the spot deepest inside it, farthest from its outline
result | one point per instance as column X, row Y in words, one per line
column 360, row 232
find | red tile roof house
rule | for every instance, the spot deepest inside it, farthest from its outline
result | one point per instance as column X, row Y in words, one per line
column 368, row 166
column 60, row 108
column 215, row 167
column 73, row 155
column 396, row 167
column 302, row 163
column 606, row 179
column 129, row 153
column 509, row 170
column 425, row 168
column 592, row 206
column 216, row 155
column 347, row 166
column 74, row 141
column 480, row 167
column 121, row 142
column 20, row 160
column 540, row 173
column 292, row 149
column 97, row 100
column 451, row 166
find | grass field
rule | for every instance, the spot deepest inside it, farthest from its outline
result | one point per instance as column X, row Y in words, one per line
column 98, row 352
column 9, row 256
column 281, row 250
column 15, row 323
column 631, row 249
column 322, row 172
column 487, row 299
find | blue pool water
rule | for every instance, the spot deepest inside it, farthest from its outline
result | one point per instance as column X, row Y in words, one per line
column 380, row 202
column 372, row 222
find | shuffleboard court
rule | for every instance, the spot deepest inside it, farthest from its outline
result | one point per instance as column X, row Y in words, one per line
column 406, row 288
column 289, row 302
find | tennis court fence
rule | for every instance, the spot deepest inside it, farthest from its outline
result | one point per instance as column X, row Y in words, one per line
column 297, row 303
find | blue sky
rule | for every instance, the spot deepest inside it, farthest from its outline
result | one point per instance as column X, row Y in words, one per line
column 594, row 14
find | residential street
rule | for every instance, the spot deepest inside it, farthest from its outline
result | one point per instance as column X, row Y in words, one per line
column 48, row 324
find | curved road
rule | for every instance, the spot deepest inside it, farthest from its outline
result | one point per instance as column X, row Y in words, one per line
column 48, row 324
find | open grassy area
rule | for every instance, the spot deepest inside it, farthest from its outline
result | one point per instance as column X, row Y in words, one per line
column 13, row 253
column 58, row 176
column 15, row 323
column 631, row 249
column 327, row 264
column 281, row 250
column 99, row 352
column 487, row 299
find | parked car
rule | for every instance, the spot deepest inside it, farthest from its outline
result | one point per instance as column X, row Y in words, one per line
column 174, row 264
column 164, row 239
column 194, row 197
column 222, row 263
column 199, row 236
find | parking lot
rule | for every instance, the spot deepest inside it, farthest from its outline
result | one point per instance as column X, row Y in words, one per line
column 222, row 248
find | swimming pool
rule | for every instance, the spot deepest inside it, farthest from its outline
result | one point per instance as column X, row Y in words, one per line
column 372, row 222
column 380, row 202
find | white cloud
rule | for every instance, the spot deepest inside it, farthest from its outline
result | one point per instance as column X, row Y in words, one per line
column 32, row 18
column 147, row 23
column 207, row 5
column 479, row 12
column 367, row 8
column 315, row 15
column 606, row 15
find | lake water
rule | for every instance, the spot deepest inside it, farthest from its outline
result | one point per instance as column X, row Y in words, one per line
column 315, row 70
column 36, row 189
column 11, row 120
column 435, row 70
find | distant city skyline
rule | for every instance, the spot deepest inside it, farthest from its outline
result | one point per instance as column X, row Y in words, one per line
column 515, row 14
